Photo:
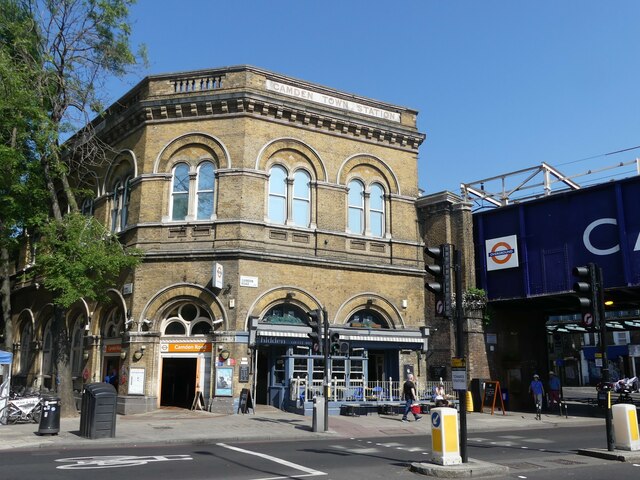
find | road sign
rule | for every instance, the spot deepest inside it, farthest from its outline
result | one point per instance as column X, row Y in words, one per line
column 459, row 378
column 587, row 320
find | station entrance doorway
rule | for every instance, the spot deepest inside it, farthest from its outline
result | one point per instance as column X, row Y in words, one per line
column 178, row 382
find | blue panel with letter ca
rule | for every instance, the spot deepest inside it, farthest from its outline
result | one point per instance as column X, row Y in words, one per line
column 600, row 224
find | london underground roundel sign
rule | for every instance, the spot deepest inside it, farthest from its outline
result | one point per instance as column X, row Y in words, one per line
column 502, row 252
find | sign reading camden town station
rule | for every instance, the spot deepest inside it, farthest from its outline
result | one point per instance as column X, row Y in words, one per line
column 331, row 101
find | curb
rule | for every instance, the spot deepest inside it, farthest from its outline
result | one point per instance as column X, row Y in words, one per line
column 618, row 455
column 473, row 468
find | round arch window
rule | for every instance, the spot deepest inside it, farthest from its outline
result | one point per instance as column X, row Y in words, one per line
column 287, row 314
column 367, row 318
column 188, row 318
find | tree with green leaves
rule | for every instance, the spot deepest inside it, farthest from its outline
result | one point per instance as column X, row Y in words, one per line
column 73, row 47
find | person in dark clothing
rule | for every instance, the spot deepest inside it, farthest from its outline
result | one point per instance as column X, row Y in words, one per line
column 409, row 395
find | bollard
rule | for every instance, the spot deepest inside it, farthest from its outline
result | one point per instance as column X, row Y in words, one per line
column 445, row 442
column 469, row 401
column 625, row 425
column 318, row 413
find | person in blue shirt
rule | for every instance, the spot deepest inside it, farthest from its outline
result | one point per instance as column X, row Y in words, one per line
column 536, row 389
column 554, row 390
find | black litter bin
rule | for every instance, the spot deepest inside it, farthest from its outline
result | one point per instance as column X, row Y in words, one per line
column 50, row 416
column 98, row 411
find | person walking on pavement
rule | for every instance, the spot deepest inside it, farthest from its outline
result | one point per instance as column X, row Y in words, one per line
column 554, row 390
column 537, row 390
column 409, row 395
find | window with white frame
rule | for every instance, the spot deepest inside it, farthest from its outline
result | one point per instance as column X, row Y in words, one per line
column 205, row 179
column 376, row 210
column 621, row 338
column 278, row 194
column 120, row 204
column 189, row 319
column 114, row 324
column 356, row 207
column 366, row 209
column 301, row 198
column 183, row 204
column 180, row 192
column 289, row 200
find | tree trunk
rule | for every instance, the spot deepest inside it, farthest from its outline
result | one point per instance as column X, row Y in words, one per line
column 55, row 205
column 63, row 382
column 5, row 293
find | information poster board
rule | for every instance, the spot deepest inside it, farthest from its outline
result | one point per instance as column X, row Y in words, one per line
column 136, row 381
column 224, row 376
column 491, row 394
column 243, row 376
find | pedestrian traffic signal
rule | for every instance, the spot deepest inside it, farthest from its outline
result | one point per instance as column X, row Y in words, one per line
column 441, row 272
column 337, row 347
column 316, row 334
column 587, row 288
column 335, row 343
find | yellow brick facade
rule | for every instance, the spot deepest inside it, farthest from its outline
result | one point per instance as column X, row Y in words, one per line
column 245, row 122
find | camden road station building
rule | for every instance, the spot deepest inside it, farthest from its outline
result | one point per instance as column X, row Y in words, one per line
column 256, row 198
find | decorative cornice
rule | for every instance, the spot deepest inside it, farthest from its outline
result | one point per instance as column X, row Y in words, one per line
column 216, row 105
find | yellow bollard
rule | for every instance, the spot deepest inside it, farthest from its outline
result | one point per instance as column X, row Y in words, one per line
column 469, row 402
column 445, row 441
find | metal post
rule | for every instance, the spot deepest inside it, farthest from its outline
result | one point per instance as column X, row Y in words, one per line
column 325, row 386
column 462, row 394
column 611, row 442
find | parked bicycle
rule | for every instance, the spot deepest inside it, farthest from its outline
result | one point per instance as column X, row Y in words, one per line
column 22, row 410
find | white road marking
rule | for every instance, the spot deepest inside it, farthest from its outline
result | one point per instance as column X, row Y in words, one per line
column 310, row 472
column 115, row 461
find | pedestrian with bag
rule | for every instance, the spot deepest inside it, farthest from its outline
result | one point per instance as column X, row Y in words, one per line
column 410, row 397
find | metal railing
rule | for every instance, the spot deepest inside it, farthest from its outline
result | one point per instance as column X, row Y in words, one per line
column 340, row 390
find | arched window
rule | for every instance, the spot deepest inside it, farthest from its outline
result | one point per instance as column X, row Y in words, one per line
column 25, row 345
column 189, row 319
column 285, row 313
column 356, row 207
column 114, row 324
column 120, row 205
column 180, row 192
column 115, row 206
column 87, row 207
column 47, row 351
column 206, row 178
column 278, row 194
column 175, row 328
column 367, row 318
column 301, row 198
column 76, row 346
column 376, row 210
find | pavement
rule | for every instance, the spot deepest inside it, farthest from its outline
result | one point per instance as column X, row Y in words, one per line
column 180, row 426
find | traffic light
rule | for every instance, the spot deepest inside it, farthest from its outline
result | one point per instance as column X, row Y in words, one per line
column 587, row 289
column 316, row 334
column 335, row 343
column 441, row 271
column 337, row 347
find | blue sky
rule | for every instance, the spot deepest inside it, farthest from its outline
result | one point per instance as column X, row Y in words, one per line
column 500, row 85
